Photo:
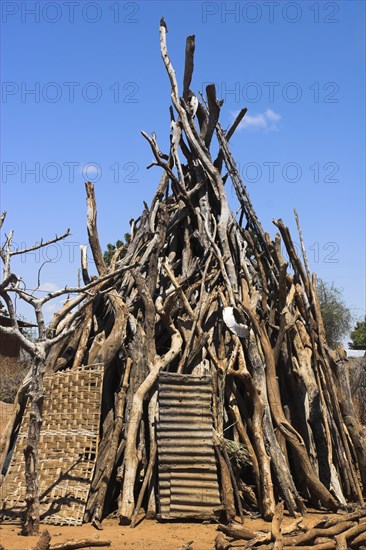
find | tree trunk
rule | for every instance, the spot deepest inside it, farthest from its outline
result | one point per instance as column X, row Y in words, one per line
column 36, row 395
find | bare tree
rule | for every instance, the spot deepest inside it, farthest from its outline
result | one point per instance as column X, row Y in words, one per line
column 64, row 324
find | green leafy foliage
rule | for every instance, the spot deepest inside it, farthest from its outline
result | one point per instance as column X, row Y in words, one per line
column 358, row 336
column 336, row 315
column 111, row 249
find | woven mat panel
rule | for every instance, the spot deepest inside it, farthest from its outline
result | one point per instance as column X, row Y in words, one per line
column 68, row 448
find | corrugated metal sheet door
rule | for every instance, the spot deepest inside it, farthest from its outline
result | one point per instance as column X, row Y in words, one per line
column 188, row 485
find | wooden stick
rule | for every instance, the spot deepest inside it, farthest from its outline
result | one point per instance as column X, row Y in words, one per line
column 114, row 442
column 92, row 229
column 81, row 543
column 276, row 527
column 235, row 485
column 312, row 534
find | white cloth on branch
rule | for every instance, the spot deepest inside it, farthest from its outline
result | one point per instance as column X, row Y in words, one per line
column 232, row 321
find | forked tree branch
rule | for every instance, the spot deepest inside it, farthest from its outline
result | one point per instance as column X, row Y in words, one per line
column 41, row 244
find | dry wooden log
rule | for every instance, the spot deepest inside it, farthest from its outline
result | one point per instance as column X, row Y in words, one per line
column 339, row 363
column 278, row 462
column 312, row 534
column 44, row 541
column 80, row 543
column 310, row 291
column 234, row 484
column 227, row 491
column 144, row 486
column 82, row 346
column 344, row 539
column 36, row 395
column 221, row 542
column 153, row 410
column 214, row 113
column 235, row 417
column 84, row 264
column 277, row 535
column 352, row 516
column 112, row 344
column 112, row 447
column 92, row 229
column 220, row 157
column 358, row 541
column 322, row 546
column 243, row 533
column 292, row 437
column 294, row 526
column 266, row 496
column 344, row 440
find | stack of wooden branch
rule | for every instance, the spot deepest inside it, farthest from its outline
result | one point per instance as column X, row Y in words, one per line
column 200, row 286
column 341, row 532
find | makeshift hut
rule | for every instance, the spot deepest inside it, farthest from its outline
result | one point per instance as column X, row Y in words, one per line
column 197, row 381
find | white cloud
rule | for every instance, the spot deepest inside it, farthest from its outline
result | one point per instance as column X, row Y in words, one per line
column 48, row 287
column 267, row 121
column 256, row 121
column 271, row 115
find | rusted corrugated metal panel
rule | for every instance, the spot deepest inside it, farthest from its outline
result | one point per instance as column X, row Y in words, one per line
column 188, row 485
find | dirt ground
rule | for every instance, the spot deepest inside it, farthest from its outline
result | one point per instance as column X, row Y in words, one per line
column 148, row 535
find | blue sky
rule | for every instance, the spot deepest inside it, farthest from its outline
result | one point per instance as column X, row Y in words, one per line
column 98, row 80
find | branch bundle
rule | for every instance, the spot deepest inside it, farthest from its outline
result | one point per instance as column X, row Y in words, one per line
column 341, row 533
column 201, row 287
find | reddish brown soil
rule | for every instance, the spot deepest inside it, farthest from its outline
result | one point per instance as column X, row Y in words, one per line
column 148, row 535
